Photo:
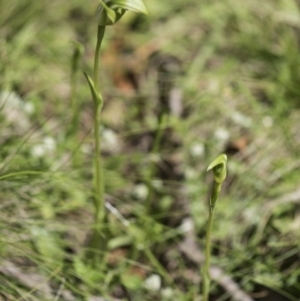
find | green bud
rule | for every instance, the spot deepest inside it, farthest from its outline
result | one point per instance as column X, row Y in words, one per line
column 110, row 11
column 218, row 167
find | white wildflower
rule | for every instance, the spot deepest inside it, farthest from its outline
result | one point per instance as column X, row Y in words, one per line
column 197, row 150
column 267, row 121
column 167, row 293
column 153, row 283
column 110, row 141
column 187, row 225
column 10, row 99
column 190, row 173
column 222, row 134
column 29, row 107
column 140, row 191
column 48, row 146
column 241, row 119
column 38, row 151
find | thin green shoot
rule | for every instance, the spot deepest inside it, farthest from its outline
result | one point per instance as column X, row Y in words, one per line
column 108, row 13
column 218, row 166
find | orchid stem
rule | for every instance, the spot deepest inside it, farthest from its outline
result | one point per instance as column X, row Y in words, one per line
column 218, row 166
column 205, row 271
column 98, row 176
column 98, row 239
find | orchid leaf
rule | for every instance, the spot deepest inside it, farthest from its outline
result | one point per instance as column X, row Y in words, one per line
column 96, row 96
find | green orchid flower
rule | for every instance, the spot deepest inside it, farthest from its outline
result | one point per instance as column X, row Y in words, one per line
column 111, row 11
column 219, row 168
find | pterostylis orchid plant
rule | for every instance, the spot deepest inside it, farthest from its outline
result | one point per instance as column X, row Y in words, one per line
column 108, row 13
column 218, row 166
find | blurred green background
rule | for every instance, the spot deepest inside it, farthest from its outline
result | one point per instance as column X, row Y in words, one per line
column 212, row 77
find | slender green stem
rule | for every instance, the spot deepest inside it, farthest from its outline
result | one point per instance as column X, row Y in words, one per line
column 98, row 239
column 98, row 176
column 159, row 267
column 98, row 181
column 100, row 35
column 75, row 109
column 74, row 77
column 155, row 150
column 205, row 271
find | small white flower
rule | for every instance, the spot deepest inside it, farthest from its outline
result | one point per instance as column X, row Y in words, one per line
column 46, row 147
column 49, row 144
column 187, row 225
column 241, row 119
column 110, row 141
column 167, row 293
column 10, row 99
column 153, row 283
column 140, row 191
column 190, row 173
column 197, row 150
column 38, row 151
column 13, row 108
column 222, row 134
column 267, row 121
column 29, row 107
